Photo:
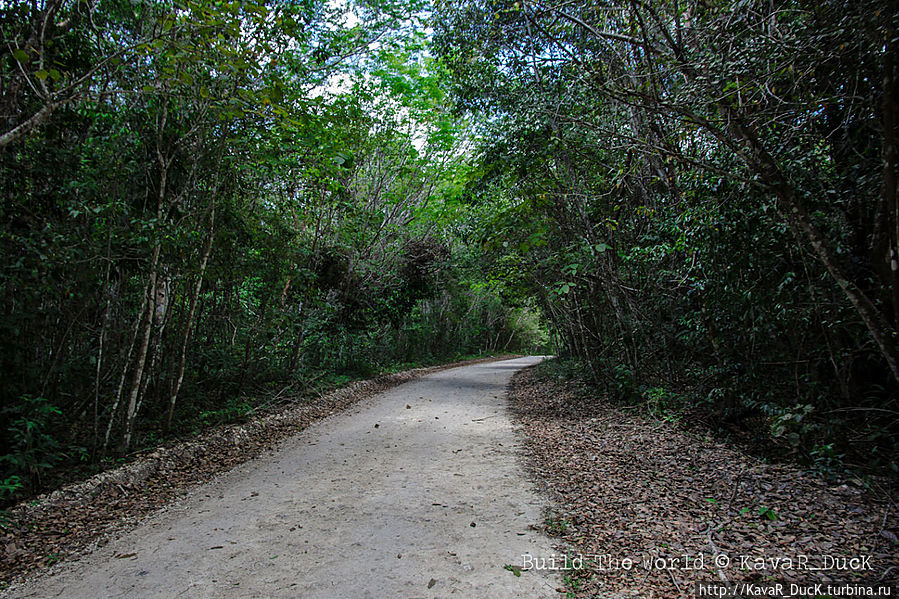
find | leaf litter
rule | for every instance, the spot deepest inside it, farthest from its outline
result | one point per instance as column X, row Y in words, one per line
column 650, row 491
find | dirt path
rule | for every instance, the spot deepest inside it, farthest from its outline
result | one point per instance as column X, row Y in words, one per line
column 415, row 492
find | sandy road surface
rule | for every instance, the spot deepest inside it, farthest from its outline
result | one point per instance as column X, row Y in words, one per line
column 415, row 492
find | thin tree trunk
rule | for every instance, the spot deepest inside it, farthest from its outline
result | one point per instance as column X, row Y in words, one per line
column 762, row 163
column 297, row 345
column 125, row 366
column 284, row 293
column 29, row 124
column 160, row 321
column 295, row 354
column 146, row 333
column 140, row 365
column 890, row 191
column 195, row 296
column 99, row 368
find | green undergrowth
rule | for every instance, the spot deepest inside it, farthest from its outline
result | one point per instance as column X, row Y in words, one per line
column 763, row 434
column 41, row 455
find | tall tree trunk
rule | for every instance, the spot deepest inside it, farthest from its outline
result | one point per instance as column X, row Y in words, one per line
column 248, row 370
column 161, row 304
column 297, row 344
column 188, row 326
column 763, row 164
column 889, row 250
column 99, row 368
column 125, row 367
column 140, row 364
column 152, row 291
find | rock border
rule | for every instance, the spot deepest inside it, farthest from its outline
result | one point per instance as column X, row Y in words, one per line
column 71, row 520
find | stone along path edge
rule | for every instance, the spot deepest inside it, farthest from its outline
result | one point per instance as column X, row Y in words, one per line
column 418, row 491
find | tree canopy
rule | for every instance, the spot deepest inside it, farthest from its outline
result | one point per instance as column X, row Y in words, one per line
column 207, row 205
column 703, row 196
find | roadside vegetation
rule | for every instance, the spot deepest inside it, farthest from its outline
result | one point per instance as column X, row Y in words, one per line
column 702, row 199
column 208, row 208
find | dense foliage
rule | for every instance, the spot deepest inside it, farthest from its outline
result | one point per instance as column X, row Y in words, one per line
column 206, row 205
column 703, row 197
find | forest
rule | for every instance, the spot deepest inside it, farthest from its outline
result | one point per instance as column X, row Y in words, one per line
column 210, row 208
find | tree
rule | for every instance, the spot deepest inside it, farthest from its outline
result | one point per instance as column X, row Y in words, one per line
column 659, row 151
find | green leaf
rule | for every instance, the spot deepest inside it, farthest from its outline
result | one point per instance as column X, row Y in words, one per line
column 768, row 513
column 42, row 74
column 513, row 569
column 21, row 56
